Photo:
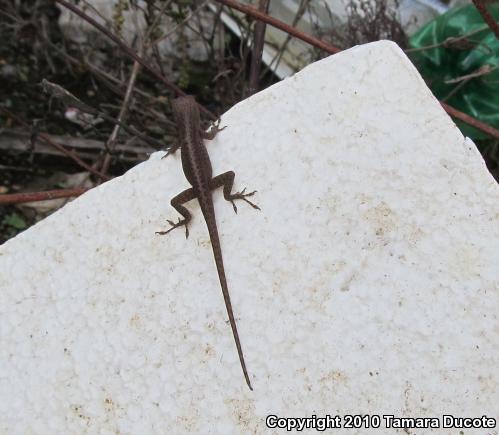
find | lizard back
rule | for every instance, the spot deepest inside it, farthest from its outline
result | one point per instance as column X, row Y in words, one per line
column 195, row 159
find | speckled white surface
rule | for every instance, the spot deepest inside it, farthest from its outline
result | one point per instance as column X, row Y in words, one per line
column 368, row 283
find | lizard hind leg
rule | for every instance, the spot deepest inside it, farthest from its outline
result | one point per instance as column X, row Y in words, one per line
column 180, row 223
column 227, row 181
column 177, row 203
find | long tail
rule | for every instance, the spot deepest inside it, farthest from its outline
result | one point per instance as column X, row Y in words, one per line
column 217, row 254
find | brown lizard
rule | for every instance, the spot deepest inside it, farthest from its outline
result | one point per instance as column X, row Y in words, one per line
column 197, row 169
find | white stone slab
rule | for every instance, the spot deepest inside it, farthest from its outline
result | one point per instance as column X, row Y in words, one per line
column 367, row 284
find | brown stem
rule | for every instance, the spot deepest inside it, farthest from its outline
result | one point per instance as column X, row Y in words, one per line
column 467, row 119
column 18, row 198
column 123, row 112
column 249, row 10
column 276, row 60
column 71, row 154
column 331, row 49
column 130, row 52
column 258, row 42
column 487, row 16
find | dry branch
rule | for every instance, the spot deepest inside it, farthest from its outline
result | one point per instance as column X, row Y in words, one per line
column 19, row 141
column 249, row 10
column 45, row 137
column 19, row 198
column 487, row 16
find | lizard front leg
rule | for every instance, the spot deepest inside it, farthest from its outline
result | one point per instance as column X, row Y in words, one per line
column 227, row 181
column 172, row 150
column 214, row 130
column 183, row 197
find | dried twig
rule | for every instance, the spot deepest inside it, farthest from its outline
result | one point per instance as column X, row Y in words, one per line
column 19, row 198
column 459, row 42
column 130, row 52
column 258, row 41
column 274, row 63
column 69, row 99
column 483, row 70
column 467, row 119
column 249, row 10
column 123, row 112
column 463, row 80
column 130, row 86
column 273, row 22
column 331, row 49
column 487, row 16
column 106, row 78
column 111, row 143
column 18, row 140
column 176, row 27
column 71, row 154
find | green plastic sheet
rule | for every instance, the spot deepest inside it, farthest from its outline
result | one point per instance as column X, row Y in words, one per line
column 472, row 60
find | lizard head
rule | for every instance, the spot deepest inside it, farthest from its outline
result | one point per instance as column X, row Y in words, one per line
column 185, row 106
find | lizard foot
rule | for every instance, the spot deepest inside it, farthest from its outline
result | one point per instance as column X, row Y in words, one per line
column 242, row 195
column 180, row 223
column 170, row 150
column 216, row 125
column 214, row 130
